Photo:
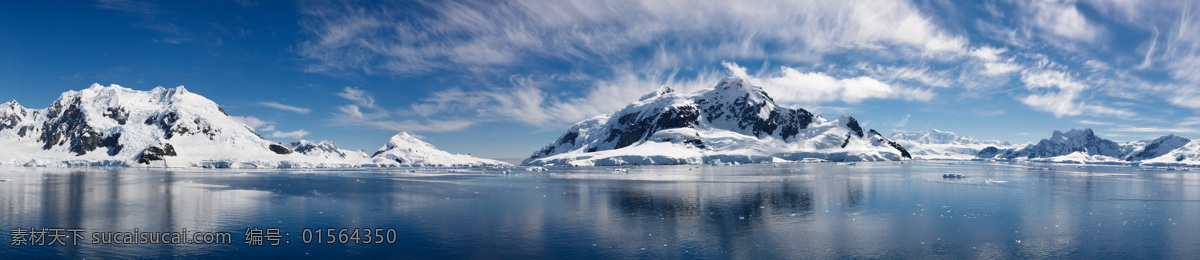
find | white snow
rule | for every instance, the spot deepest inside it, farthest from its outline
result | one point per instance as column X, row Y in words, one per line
column 404, row 149
column 199, row 131
column 945, row 145
column 722, row 136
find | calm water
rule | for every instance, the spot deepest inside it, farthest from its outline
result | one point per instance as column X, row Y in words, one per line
column 868, row 210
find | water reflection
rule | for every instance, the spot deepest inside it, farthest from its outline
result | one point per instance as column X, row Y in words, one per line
column 871, row 210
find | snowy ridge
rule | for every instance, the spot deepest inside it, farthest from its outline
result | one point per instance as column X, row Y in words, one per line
column 117, row 126
column 944, row 145
column 1072, row 146
column 733, row 122
column 1083, row 146
column 1157, row 148
column 327, row 149
column 404, row 149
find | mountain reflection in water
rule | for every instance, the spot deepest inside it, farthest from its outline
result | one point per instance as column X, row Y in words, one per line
column 825, row 210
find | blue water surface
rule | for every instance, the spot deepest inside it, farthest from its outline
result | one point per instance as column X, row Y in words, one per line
column 784, row 211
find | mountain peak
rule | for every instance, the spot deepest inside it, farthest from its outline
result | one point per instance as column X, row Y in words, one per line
column 405, row 140
column 404, row 149
column 662, row 90
column 725, row 122
column 12, row 105
column 738, row 87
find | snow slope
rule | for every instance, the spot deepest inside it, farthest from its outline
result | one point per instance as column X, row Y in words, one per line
column 117, row 126
column 733, row 122
column 1083, row 146
column 404, row 149
column 944, row 145
column 1157, row 148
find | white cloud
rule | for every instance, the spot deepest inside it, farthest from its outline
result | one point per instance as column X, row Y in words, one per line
column 132, row 6
column 1190, row 121
column 352, row 115
column 474, row 36
column 1063, row 19
column 903, row 121
column 358, row 96
column 993, row 63
column 293, row 134
column 251, row 121
column 1090, row 122
column 921, row 75
column 1138, row 129
column 794, row 86
column 1056, row 92
column 277, row 105
column 268, row 128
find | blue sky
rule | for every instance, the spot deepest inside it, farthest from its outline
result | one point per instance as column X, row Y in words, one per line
column 500, row 79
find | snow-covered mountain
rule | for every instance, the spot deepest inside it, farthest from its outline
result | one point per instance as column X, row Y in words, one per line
column 1188, row 154
column 944, row 145
column 327, row 149
column 1157, row 148
column 1077, row 146
column 733, row 122
column 117, row 126
column 404, row 149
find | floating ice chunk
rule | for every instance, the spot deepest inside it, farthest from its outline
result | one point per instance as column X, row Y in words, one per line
column 715, row 162
column 952, row 176
column 621, row 170
column 991, row 181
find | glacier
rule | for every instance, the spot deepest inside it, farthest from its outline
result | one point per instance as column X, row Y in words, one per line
column 734, row 122
column 945, row 145
column 117, row 126
column 1084, row 146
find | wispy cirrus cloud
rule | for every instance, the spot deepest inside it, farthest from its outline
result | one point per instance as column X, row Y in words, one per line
column 267, row 127
column 1060, row 94
column 794, row 86
column 293, row 134
column 1054, row 57
column 280, row 106
column 131, row 6
column 358, row 96
column 482, row 35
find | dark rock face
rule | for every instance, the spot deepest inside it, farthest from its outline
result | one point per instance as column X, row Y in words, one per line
column 1066, row 143
column 632, row 128
column 989, row 152
column 879, row 137
column 568, row 137
column 25, row 130
column 734, row 105
column 171, row 126
column 279, row 149
column 854, row 128
column 1158, row 147
column 117, row 113
column 67, row 125
column 155, row 153
column 787, row 120
column 324, row 147
column 9, row 122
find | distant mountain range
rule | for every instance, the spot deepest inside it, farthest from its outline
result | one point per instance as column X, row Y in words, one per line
column 1074, row 146
column 944, row 145
column 732, row 122
column 1083, row 146
column 116, row 126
